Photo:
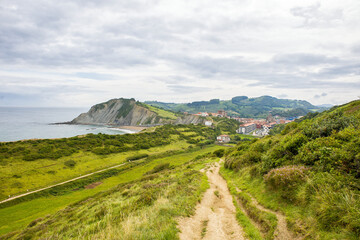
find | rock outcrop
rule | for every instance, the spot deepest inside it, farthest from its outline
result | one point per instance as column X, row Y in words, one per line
column 120, row 112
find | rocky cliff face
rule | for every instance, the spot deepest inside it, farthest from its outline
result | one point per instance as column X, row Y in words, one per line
column 127, row 112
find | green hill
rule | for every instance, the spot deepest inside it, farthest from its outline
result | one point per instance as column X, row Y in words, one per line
column 303, row 183
column 310, row 172
column 244, row 106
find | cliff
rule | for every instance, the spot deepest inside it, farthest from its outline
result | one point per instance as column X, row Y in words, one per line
column 131, row 113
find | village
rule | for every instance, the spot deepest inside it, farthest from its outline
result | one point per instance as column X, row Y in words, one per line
column 248, row 126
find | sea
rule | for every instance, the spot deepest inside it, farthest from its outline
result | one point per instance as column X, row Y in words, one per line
column 18, row 123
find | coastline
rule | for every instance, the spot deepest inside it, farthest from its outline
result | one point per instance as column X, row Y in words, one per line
column 132, row 128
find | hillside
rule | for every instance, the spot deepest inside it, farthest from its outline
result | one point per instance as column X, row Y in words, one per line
column 33, row 164
column 244, row 106
column 120, row 112
column 303, row 183
column 310, row 172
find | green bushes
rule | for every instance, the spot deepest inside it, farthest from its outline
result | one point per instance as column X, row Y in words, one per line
column 159, row 168
column 99, row 144
column 313, row 166
column 137, row 157
column 70, row 163
column 32, row 157
column 219, row 153
column 333, row 122
column 286, row 179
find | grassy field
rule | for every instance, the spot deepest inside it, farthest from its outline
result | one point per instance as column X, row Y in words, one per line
column 162, row 113
column 19, row 176
column 18, row 216
column 145, row 209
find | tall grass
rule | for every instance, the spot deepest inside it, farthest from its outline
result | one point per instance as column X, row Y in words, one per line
column 143, row 209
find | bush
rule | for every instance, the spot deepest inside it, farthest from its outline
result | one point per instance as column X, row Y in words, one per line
column 286, row 179
column 219, row 153
column 137, row 157
column 31, row 157
column 70, row 163
column 159, row 168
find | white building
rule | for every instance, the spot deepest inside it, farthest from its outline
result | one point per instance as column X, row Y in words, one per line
column 208, row 123
column 246, row 128
column 223, row 138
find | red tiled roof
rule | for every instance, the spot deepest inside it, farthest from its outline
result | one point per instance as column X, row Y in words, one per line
column 246, row 124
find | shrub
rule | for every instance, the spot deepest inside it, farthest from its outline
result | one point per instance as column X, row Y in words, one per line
column 286, row 179
column 159, row 168
column 219, row 153
column 137, row 157
column 70, row 163
column 333, row 122
column 31, row 157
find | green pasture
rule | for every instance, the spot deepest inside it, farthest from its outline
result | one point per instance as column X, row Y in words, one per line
column 20, row 215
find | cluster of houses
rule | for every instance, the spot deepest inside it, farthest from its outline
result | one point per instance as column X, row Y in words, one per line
column 220, row 113
column 261, row 127
column 258, row 127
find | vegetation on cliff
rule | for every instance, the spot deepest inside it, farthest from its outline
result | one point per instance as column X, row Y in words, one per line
column 130, row 112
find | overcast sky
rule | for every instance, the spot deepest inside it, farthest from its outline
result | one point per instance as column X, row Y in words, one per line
column 81, row 52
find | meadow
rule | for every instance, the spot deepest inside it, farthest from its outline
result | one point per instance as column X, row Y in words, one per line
column 20, row 215
column 57, row 160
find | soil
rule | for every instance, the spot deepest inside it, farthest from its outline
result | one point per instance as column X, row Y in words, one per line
column 281, row 232
column 215, row 215
column 93, row 185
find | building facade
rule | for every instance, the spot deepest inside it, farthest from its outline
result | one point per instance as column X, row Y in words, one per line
column 246, row 128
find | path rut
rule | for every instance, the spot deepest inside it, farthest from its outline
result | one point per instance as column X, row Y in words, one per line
column 281, row 232
column 215, row 215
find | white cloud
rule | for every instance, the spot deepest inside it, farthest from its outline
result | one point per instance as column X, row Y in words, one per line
column 81, row 52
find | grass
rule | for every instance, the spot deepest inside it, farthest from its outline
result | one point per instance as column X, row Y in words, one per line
column 251, row 231
column 300, row 217
column 20, row 215
column 162, row 113
column 140, row 208
column 44, row 172
column 204, row 226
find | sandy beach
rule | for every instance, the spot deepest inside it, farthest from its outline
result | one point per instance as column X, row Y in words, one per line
column 133, row 128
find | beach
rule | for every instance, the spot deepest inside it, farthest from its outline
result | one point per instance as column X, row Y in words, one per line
column 132, row 128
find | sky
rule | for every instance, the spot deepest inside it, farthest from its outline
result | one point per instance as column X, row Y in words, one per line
column 76, row 53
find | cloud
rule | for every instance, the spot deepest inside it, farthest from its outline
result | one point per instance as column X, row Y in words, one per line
column 321, row 95
column 105, row 49
column 181, row 89
column 315, row 16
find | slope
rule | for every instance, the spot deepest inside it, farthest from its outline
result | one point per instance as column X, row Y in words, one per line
column 244, row 106
column 120, row 112
column 310, row 172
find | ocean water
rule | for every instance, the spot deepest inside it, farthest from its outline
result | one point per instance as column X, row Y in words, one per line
column 29, row 123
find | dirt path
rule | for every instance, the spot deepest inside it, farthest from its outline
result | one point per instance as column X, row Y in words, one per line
column 71, row 180
column 281, row 232
column 215, row 216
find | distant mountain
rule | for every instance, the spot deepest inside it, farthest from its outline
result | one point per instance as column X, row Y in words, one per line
column 327, row 106
column 120, row 112
column 244, row 106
